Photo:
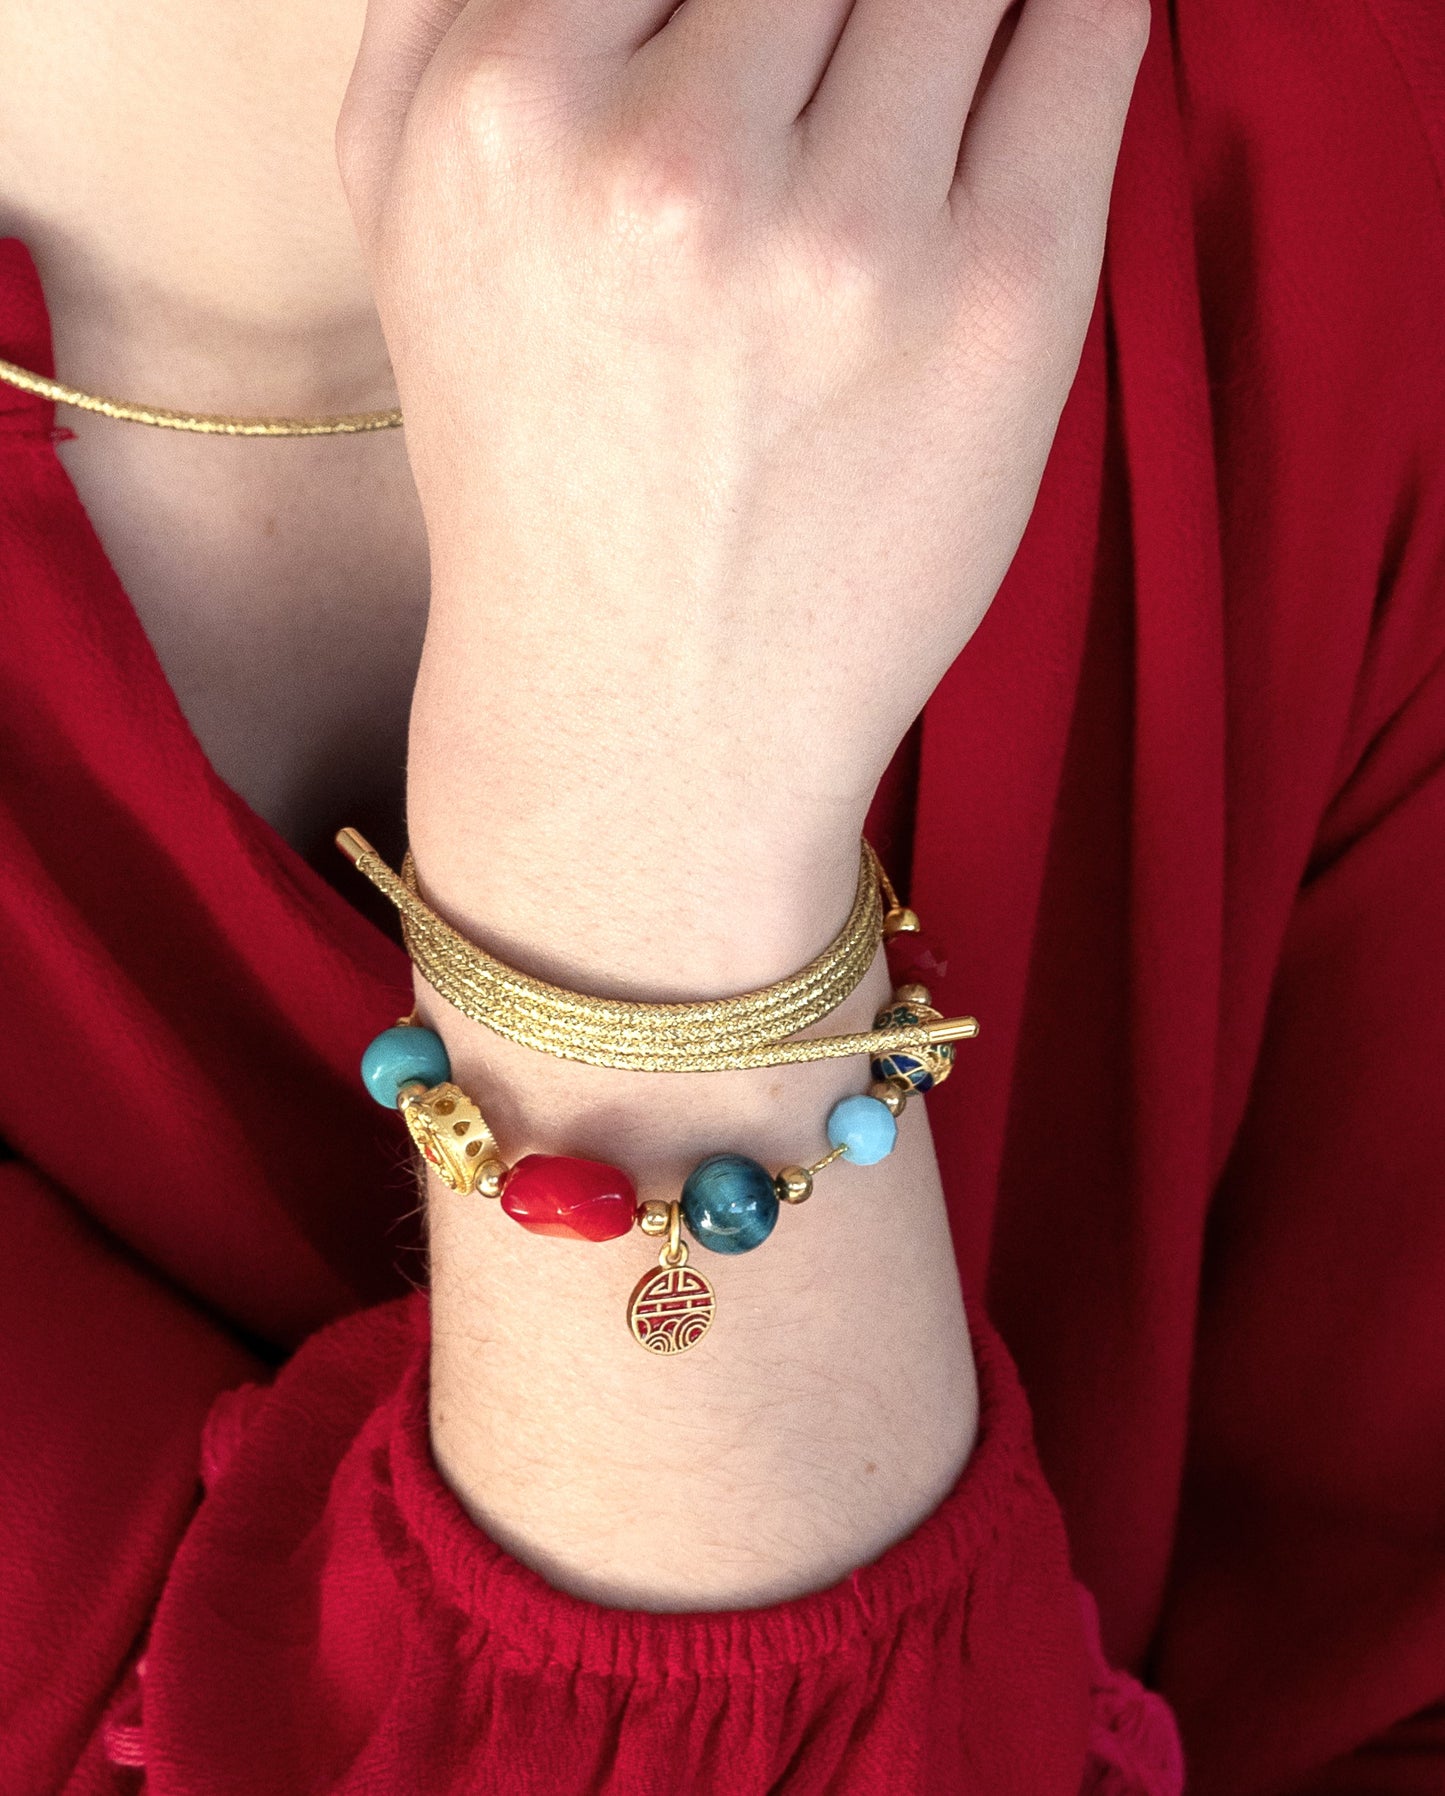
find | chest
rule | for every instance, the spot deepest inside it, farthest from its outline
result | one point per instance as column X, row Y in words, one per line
column 283, row 587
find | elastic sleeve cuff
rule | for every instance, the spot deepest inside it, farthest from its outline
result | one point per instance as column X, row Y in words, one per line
column 333, row 1585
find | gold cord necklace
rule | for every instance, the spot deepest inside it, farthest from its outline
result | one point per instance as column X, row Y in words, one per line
column 215, row 424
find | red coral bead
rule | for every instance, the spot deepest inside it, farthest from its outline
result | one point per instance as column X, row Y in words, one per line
column 915, row 959
column 583, row 1200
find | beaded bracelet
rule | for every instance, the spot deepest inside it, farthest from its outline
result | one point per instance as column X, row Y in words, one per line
column 729, row 1202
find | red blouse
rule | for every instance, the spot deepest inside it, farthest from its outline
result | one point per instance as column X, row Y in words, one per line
column 1179, row 811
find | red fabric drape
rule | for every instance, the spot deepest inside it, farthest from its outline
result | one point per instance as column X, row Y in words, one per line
column 1178, row 811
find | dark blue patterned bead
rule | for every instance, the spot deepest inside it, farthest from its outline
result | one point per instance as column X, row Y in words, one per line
column 904, row 1071
column 729, row 1203
column 910, row 1071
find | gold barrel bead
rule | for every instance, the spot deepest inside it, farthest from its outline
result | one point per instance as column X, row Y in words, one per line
column 450, row 1132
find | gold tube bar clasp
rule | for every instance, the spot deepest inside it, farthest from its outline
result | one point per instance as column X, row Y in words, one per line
column 953, row 1028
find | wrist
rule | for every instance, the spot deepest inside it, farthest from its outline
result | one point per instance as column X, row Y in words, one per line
column 627, row 836
column 524, row 1354
column 591, row 891
column 853, row 1294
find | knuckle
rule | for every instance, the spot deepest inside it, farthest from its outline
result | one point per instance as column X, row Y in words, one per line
column 1012, row 288
column 836, row 253
column 663, row 184
column 839, row 267
column 1015, row 251
column 488, row 97
column 496, row 102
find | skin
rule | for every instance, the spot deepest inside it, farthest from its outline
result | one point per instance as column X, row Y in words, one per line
column 730, row 363
column 178, row 189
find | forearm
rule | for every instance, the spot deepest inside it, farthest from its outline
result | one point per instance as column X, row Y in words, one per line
column 730, row 355
column 609, row 833
column 832, row 1404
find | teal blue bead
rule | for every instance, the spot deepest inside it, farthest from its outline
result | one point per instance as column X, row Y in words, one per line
column 864, row 1128
column 729, row 1203
column 399, row 1056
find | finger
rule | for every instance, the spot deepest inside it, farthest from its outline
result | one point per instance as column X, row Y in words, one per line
column 559, row 32
column 1038, row 158
column 889, row 113
column 403, row 39
column 398, row 41
column 749, row 60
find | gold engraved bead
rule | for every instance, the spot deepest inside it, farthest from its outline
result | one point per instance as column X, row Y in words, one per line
column 913, row 993
column 900, row 920
column 794, row 1185
column 652, row 1217
column 451, row 1135
column 891, row 1095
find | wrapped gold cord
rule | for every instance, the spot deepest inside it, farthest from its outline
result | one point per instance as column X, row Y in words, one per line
column 713, row 1035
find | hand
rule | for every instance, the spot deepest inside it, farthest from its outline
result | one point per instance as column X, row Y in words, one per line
column 731, row 342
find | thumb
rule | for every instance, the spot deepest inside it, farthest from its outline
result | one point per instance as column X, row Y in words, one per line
column 398, row 42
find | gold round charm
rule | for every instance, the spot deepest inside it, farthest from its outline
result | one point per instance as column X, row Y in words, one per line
column 671, row 1308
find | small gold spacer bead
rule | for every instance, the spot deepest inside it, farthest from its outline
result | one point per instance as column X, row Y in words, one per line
column 794, row 1185
column 902, row 921
column 653, row 1217
column 913, row 993
column 892, row 1095
column 490, row 1177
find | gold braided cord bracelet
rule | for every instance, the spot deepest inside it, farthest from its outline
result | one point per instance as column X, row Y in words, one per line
column 216, row 424
column 713, row 1035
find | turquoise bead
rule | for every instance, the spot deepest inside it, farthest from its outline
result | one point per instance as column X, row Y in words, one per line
column 729, row 1203
column 398, row 1057
column 864, row 1128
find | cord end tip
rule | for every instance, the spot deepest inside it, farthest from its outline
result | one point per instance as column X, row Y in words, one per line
column 353, row 844
column 957, row 1028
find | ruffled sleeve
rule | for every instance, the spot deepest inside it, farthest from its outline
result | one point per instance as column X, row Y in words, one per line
column 334, row 1622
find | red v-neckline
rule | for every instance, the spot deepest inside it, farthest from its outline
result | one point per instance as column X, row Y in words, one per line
column 174, row 958
column 25, row 337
